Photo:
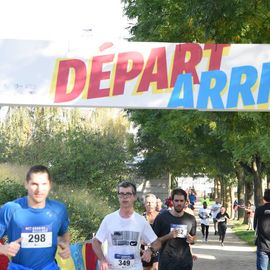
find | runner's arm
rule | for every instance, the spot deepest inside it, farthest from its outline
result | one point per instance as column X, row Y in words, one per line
column 172, row 234
column 63, row 243
column 151, row 251
column 11, row 249
column 156, row 245
column 104, row 265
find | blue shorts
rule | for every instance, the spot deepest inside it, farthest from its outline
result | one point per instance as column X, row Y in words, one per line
column 14, row 266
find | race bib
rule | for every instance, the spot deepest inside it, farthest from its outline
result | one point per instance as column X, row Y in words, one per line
column 36, row 237
column 222, row 219
column 181, row 230
column 123, row 261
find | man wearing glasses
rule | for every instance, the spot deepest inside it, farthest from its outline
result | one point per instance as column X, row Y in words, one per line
column 124, row 230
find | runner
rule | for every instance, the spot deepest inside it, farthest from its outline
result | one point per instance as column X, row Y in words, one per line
column 159, row 207
column 250, row 210
column 124, row 230
column 192, row 197
column 176, row 230
column 222, row 218
column 205, row 199
column 150, row 202
column 189, row 208
column 204, row 216
column 262, row 228
column 35, row 225
column 235, row 209
column 215, row 209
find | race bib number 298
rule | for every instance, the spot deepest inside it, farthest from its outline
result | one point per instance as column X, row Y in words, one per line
column 36, row 237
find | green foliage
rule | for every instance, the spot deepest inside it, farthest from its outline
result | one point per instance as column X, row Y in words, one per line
column 181, row 142
column 10, row 190
column 234, row 21
column 81, row 147
column 86, row 151
column 86, row 210
column 11, row 171
column 220, row 141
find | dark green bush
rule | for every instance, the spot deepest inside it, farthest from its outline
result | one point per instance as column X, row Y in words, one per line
column 10, row 190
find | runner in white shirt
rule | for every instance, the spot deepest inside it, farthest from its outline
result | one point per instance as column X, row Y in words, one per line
column 215, row 209
column 124, row 230
column 204, row 214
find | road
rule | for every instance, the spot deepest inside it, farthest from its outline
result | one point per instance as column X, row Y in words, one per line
column 235, row 254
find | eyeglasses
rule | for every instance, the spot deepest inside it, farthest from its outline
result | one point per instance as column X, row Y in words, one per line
column 122, row 194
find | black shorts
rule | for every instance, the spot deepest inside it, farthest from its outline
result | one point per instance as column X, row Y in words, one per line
column 153, row 260
column 172, row 265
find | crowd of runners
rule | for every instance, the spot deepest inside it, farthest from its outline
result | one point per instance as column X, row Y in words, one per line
column 161, row 238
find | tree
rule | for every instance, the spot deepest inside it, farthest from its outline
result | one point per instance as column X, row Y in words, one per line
column 179, row 142
column 246, row 135
column 79, row 146
column 235, row 21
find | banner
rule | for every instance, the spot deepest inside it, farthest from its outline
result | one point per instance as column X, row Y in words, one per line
column 135, row 75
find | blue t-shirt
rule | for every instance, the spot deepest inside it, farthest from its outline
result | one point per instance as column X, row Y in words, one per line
column 39, row 227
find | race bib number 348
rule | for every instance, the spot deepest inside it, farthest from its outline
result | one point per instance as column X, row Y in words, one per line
column 36, row 237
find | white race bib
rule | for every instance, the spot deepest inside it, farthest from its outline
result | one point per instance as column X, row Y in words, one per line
column 181, row 230
column 123, row 261
column 36, row 237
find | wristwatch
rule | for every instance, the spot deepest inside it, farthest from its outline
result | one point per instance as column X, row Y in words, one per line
column 154, row 252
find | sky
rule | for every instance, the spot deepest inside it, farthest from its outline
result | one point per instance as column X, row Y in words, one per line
column 61, row 19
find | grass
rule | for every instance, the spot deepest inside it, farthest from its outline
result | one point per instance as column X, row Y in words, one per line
column 240, row 230
column 14, row 172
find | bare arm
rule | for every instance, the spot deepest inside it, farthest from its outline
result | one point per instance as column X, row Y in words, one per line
column 169, row 236
column 63, row 243
column 104, row 265
column 154, row 247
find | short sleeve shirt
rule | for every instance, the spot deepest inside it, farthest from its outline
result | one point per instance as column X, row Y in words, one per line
column 175, row 253
column 39, row 229
column 124, row 237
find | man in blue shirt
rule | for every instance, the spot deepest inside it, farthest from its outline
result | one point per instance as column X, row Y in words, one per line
column 35, row 225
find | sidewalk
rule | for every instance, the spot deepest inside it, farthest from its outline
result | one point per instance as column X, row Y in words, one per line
column 235, row 254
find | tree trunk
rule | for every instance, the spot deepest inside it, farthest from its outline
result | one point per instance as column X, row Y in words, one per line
column 222, row 190
column 240, row 174
column 248, row 194
column 268, row 181
column 257, row 189
column 228, row 203
column 215, row 188
column 249, row 191
column 257, row 181
column 219, row 188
